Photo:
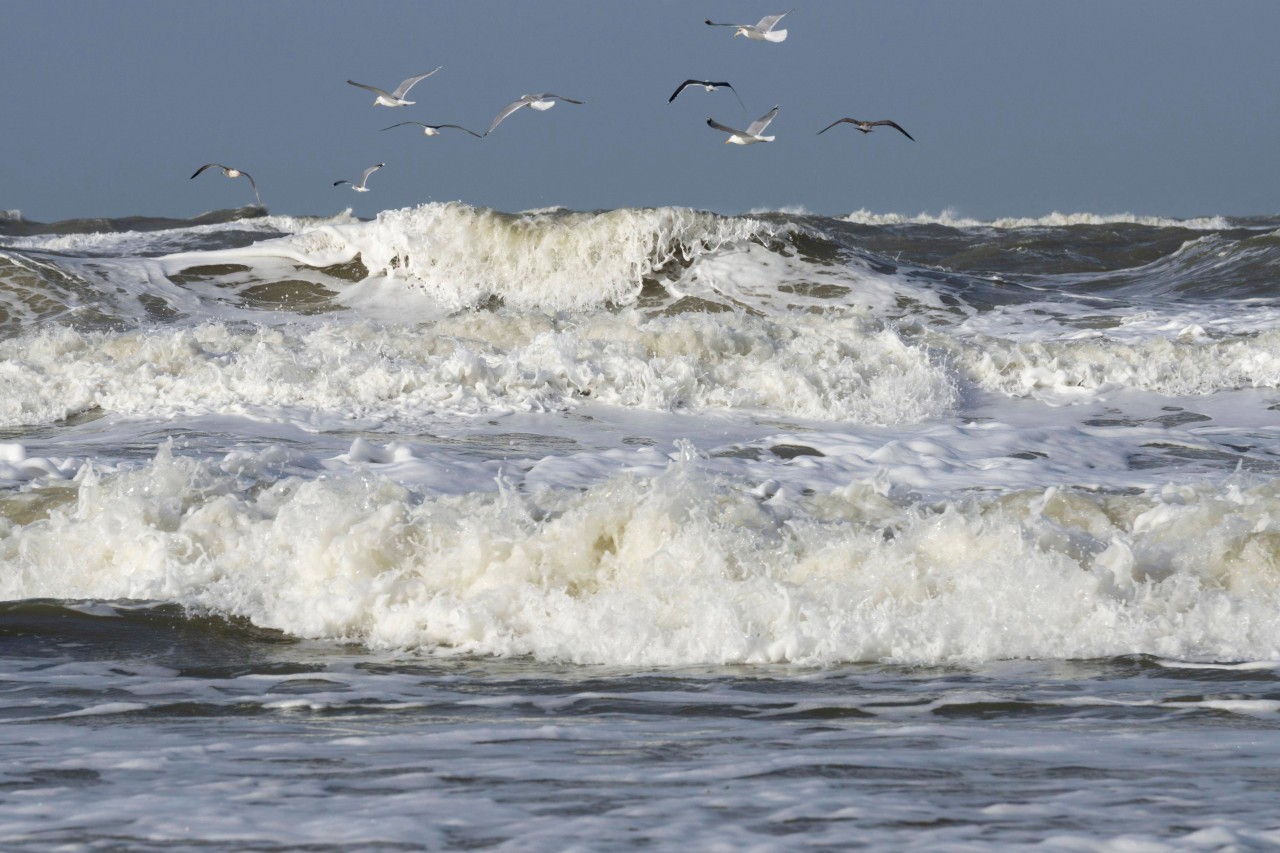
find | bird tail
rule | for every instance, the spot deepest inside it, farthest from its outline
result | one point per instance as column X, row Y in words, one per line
column 776, row 36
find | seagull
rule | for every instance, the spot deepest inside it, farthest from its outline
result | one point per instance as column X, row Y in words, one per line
column 867, row 126
column 763, row 31
column 751, row 134
column 364, row 177
column 708, row 85
column 396, row 98
column 231, row 173
column 541, row 102
column 434, row 129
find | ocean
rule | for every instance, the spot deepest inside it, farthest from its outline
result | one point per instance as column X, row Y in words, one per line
column 561, row 530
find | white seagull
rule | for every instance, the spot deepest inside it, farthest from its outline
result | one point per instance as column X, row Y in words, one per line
column 762, row 31
column 434, row 129
column 751, row 134
column 868, row 126
column 364, row 177
column 231, row 173
column 396, row 98
column 706, row 84
column 545, row 101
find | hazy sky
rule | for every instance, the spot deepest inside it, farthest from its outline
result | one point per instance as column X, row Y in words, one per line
column 1018, row 107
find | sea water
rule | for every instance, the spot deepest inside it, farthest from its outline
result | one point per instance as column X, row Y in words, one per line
column 592, row 530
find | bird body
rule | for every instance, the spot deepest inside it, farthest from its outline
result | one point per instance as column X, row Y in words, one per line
column 763, row 30
column 542, row 102
column 395, row 98
column 434, row 129
column 231, row 172
column 867, row 126
column 752, row 134
column 364, row 178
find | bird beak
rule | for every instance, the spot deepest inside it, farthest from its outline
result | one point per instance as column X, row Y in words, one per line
column 727, row 141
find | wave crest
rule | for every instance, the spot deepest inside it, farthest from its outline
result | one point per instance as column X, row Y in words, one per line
column 951, row 219
column 463, row 256
column 685, row 567
column 811, row 367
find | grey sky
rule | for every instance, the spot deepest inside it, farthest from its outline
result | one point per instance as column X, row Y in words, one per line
column 1018, row 107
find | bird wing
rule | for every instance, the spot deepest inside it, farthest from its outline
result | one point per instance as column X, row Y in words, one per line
column 711, row 23
column 403, row 88
column 770, row 21
column 834, row 123
column 561, row 98
column 731, row 89
column 207, row 166
column 896, row 127
column 460, row 127
column 506, row 111
column 397, row 124
column 364, row 176
column 682, row 87
column 718, row 126
column 370, row 88
column 255, row 187
column 757, row 127
column 341, row 182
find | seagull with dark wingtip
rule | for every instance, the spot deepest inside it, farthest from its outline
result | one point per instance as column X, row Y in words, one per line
column 763, row 30
column 231, row 172
column 364, row 178
column 753, row 133
column 705, row 84
column 396, row 98
column 434, row 129
column 867, row 126
column 542, row 102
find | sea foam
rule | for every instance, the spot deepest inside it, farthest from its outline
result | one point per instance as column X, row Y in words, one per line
column 686, row 566
column 951, row 219
column 462, row 256
column 846, row 368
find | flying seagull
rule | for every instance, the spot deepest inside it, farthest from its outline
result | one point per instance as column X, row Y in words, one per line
column 364, row 177
column 867, row 126
column 231, row 173
column 751, row 134
column 434, row 129
column 763, row 31
column 541, row 102
column 396, row 98
column 706, row 84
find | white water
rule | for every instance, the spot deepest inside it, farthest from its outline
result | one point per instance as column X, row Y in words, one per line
column 567, row 530
column 952, row 219
column 688, row 559
column 802, row 475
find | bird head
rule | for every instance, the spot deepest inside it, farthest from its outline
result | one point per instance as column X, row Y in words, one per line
column 741, row 31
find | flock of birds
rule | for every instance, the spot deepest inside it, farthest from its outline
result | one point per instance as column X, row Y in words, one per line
column 763, row 30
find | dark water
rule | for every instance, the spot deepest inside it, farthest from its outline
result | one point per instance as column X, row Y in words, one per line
column 147, row 727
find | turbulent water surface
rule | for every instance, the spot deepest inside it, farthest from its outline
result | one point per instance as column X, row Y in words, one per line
column 459, row 528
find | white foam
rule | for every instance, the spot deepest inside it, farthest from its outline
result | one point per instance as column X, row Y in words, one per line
column 1063, row 372
column 17, row 467
column 951, row 219
column 804, row 365
column 687, row 566
column 461, row 256
column 166, row 239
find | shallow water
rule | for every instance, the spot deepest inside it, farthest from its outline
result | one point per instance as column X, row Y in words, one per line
column 265, row 742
